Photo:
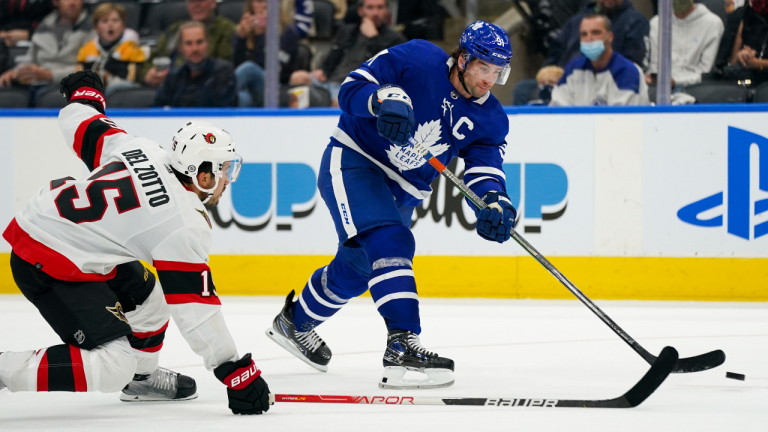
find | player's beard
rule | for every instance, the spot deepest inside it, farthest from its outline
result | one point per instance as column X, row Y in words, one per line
column 213, row 201
column 477, row 92
column 216, row 197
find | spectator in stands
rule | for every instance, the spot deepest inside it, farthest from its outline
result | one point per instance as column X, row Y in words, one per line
column 18, row 18
column 629, row 39
column 114, row 53
column 53, row 54
column 352, row 45
column 547, row 79
column 749, row 52
column 249, row 52
column 201, row 81
column 218, row 28
column 696, row 34
column 601, row 76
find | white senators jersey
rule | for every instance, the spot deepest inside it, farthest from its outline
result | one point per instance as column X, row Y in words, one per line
column 130, row 206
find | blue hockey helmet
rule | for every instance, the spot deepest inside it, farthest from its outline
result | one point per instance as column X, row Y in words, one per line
column 489, row 43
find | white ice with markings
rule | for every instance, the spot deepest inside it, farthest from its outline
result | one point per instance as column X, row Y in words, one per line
column 502, row 348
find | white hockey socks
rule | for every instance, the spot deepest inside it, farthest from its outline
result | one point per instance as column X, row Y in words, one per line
column 107, row 368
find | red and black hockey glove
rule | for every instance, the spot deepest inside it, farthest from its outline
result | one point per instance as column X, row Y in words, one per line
column 84, row 87
column 247, row 391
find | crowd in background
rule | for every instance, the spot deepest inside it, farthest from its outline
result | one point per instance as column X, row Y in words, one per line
column 204, row 53
column 203, row 59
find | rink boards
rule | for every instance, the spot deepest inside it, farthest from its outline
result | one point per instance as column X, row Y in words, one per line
column 629, row 203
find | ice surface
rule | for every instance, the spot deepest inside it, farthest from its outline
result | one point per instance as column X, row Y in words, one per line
column 502, row 348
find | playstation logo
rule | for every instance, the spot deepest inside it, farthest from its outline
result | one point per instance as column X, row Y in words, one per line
column 743, row 201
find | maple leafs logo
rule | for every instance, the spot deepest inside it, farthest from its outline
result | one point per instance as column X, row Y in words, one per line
column 427, row 134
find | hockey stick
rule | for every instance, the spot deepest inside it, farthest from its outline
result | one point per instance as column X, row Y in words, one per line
column 690, row 364
column 652, row 379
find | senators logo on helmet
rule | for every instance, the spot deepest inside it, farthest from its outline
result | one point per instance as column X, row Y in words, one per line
column 210, row 138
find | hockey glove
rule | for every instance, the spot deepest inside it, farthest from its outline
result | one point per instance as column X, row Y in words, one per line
column 247, row 391
column 84, row 87
column 393, row 108
column 495, row 222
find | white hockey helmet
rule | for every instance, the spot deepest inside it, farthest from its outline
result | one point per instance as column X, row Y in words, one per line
column 198, row 142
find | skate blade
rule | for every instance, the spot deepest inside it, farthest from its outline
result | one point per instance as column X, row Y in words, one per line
column 150, row 398
column 392, row 379
column 288, row 346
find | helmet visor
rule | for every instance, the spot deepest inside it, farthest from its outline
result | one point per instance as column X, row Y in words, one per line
column 230, row 169
column 487, row 72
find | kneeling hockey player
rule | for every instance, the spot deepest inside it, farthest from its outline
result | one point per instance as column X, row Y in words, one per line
column 74, row 256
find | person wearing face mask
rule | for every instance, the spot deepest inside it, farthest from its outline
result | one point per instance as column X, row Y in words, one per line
column 201, row 81
column 696, row 34
column 114, row 54
column 629, row 39
column 601, row 76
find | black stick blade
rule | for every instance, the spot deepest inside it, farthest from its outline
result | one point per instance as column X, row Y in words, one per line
column 659, row 371
column 700, row 363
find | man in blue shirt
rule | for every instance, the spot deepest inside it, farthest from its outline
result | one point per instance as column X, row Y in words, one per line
column 371, row 179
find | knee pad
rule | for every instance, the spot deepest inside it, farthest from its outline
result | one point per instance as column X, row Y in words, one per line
column 390, row 251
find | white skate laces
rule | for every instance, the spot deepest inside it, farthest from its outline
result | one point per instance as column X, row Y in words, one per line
column 414, row 343
column 309, row 339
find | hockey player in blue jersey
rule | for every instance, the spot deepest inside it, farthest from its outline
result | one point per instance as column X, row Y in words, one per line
column 371, row 180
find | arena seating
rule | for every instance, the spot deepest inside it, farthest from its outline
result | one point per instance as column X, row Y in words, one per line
column 13, row 98
column 717, row 92
column 132, row 98
column 51, row 98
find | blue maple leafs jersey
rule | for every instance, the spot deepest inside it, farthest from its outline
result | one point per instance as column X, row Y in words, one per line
column 447, row 123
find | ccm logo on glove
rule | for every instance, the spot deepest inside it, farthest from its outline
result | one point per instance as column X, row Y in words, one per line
column 242, row 377
column 395, row 115
column 88, row 93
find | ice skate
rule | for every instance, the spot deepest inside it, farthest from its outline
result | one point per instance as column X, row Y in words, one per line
column 404, row 353
column 307, row 346
column 162, row 385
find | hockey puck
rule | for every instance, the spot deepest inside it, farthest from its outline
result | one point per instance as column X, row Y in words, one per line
column 736, row 376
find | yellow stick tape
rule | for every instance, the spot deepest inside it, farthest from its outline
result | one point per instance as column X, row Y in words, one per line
column 708, row 279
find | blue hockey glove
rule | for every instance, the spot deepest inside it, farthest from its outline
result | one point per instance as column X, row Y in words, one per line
column 393, row 108
column 495, row 222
